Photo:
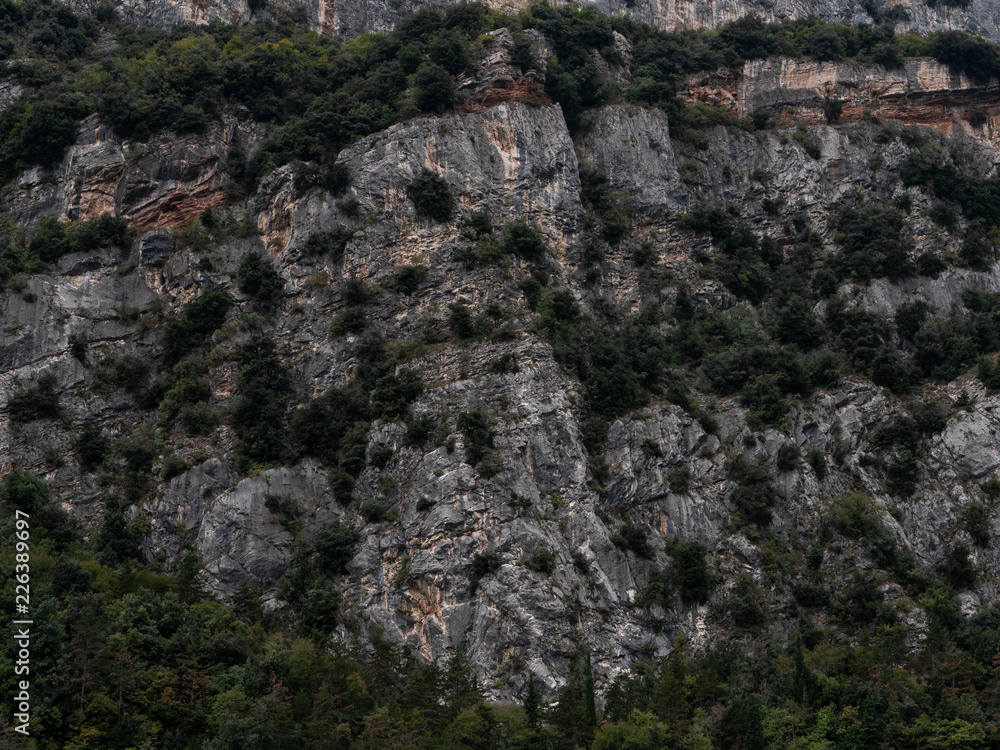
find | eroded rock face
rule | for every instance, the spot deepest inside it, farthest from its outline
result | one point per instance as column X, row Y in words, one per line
column 166, row 183
column 350, row 18
column 921, row 92
column 411, row 573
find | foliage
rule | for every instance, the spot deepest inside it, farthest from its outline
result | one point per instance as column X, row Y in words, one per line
column 541, row 560
column 692, row 573
column 39, row 401
column 483, row 564
column 91, row 447
column 431, row 196
column 635, row 539
column 957, row 568
column 333, row 242
column 52, row 239
column 258, row 408
column 20, row 490
column 788, row 457
column 308, row 586
column 755, row 494
column 256, row 277
column 408, row 279
column 475, row 424
column 612, row 207
column 432, row 88
column 874, row 242
column 198, row 320
column 856, row 516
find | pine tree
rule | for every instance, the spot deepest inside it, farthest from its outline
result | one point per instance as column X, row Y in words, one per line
column 188, row 585
column 460, row 688
column 246, row 603
column 532, row 703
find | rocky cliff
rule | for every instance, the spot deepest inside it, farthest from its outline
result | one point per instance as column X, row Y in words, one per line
column 551, row 520
column 356, row 17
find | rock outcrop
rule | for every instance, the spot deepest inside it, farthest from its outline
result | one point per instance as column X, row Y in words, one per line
column 355, row 17
column 412, row 571
column 161, row 184
column 921, row 92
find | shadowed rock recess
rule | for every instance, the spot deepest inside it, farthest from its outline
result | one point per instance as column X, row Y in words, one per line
column 592, row 365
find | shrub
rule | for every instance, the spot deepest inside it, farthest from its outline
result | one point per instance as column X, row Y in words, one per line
column 408, row 279
column 173, row 465
column 755, row 494
column 424, row 504
column 691, row 571
column 811, row 596
column 392, row 393
column 139, row 449
column 788, row 457
column 635, row 539
column 651, row 449
column 505, row 364
column 957, row 569
column 256, row 277
column 199, row 418
column 747, row 605
column 78, row 347
column 832, row 110
column 874, row 242
column 489, row 467
column 461, row 321
column 479, row 224
column 977, row 251
column 117, row 541
column 475, row 425
column 611, row 206
column 418, row 430
column 680, row 479
column 374, row 510
column 127, row 372
column 809, row 142
column 523, row 239
column 856, row 516
column 977, row 116
column 258, row 409
column 976, row 521
column 483, row 564
column 26, row 492
column 335, row 547
column 194, row 324
column 541, row 560
column 533, row 291
column 991, row 487
column 431, row 196
column 333, row 242
column 40, row 401
column 91, row 447
column 863, row 604
column 764, row 401
column 817, row 460
column 380, row 456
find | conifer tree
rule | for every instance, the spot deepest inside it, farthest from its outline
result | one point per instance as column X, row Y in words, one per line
column 532, row 703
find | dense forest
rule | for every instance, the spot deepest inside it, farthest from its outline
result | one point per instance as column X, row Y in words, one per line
column 128, row 656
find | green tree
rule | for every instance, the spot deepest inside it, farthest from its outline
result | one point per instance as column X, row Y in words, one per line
column 432, row 89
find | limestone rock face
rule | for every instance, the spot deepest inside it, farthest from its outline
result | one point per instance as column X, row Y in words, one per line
column 350, row 18
column 541, row 499
column 921, row 92
column 165, row 183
